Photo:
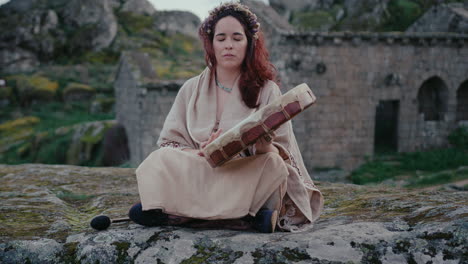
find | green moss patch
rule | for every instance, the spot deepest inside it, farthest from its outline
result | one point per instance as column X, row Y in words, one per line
column 312, row 20
column 69, row 253
column 6, row 92
column 122, row 254
column 35, row 87
column 24, row 222
column 209, row 252
column 14, row 125
column 77, row 87
column 134, row 23
column 44, row 134
column 418, row 169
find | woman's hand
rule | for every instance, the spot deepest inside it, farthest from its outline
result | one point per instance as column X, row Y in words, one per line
column 199, row 152
column 264, row 144
column 213, row 136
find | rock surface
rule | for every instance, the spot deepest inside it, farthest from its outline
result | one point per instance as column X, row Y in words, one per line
column 142, row 7
column 451, row 17
column 46, row 209
column 93, row 23
column 40, row 30
column 335, row 15
column 177, row 22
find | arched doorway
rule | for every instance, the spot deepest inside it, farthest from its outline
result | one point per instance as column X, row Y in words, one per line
column 462, row 102
column 432, row 99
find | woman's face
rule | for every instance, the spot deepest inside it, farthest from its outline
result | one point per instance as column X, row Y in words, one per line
column 229, row 43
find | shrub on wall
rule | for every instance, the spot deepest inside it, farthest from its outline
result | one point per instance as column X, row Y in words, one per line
column 459, row 137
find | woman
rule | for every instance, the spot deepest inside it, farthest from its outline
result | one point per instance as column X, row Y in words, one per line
column 267, row 183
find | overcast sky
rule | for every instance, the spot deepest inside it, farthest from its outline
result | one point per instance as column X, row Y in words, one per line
column 199, row 7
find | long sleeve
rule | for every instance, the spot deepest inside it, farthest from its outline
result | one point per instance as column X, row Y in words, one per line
column 175, row 133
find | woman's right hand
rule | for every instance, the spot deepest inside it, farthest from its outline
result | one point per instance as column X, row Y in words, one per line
column 199, row 152
column 213, row 136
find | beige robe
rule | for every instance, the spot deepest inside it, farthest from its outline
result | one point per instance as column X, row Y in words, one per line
column 184, row 184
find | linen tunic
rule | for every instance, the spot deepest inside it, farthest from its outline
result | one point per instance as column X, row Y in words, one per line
column 184, row 184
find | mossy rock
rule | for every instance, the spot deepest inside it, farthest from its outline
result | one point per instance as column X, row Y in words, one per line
column 78, row 92
column 6, row 92
column 34, row 88
column 6, row 96
column 102, row 105
column 16, row 132
column 85, row 146
column 313, row 20
column 13, row 125
column 360, row 224
column 134, row 23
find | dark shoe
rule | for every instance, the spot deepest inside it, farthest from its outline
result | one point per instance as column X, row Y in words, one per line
column 147, row 218
column 265, row 220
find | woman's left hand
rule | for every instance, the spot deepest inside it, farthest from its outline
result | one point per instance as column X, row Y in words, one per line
column 264, row 144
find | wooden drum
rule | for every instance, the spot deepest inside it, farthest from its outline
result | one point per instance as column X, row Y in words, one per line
column 259, row 124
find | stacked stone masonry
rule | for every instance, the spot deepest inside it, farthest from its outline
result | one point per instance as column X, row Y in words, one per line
column 353, row 75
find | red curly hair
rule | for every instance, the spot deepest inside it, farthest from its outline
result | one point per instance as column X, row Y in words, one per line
column 256, row 69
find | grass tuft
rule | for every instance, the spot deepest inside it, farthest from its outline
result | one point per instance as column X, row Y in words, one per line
column 418, row 168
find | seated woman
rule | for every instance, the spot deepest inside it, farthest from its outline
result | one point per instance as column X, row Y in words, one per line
column 267, row 186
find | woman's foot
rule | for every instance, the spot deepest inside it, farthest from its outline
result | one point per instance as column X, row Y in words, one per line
column 265, row 220
column 147, row 218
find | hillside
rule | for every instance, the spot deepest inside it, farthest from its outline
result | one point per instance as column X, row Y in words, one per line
column 59, row 58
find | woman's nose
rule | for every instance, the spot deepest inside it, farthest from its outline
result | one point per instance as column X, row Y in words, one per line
column 228, row 44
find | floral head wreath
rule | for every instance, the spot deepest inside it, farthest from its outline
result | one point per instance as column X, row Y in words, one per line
column 251, row 18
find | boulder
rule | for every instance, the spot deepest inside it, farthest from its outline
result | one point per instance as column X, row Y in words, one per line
column 36, row 31
column 17, row 59
column 142, row 7
column 32, row 31
column 46, row 209
column 34, row 89
column 78, row 92
column 452, row 17
column 181, row 22
column 102, row 105
column 86, row 142
column 93, row 23
column 270, row 20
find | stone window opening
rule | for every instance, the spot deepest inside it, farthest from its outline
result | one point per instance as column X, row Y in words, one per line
column 432, row 99
column 462, row 102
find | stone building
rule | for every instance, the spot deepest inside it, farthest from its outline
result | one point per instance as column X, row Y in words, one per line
column 375, row 92
column 142, row 103
column 388, row 91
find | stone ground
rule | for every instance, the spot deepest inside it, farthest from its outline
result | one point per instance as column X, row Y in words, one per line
column 46, row 209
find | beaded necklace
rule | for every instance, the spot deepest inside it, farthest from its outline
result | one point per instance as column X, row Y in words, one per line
column 222, row 87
